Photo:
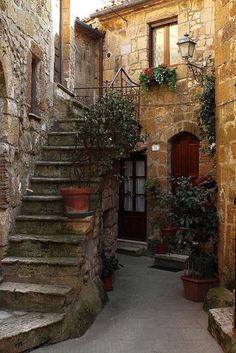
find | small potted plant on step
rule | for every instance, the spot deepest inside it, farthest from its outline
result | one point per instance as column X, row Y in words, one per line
column 109, row 266
column 160, row 203
column 162, row 245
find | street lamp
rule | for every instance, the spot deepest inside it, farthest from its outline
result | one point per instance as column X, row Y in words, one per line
column 186, row 47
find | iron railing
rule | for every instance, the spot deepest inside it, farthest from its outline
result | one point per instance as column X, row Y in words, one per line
column 121, row 83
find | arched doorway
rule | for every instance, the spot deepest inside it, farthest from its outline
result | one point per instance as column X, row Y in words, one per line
column 184, row 155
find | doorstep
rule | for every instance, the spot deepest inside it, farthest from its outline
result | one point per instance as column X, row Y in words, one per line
column 171, row 260
column 131, row 247
column 220, row 325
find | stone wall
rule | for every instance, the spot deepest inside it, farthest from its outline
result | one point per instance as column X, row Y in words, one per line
column 86, row 65
column 110, row 201
column 164, row 113
column 226, row 133
column 25, row 33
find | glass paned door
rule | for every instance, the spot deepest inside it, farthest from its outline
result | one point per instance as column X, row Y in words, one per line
column 132, row 211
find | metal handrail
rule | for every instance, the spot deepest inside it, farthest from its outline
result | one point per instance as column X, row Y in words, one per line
column 121, row 82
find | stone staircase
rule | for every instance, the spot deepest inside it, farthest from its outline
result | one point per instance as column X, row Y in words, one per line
column 43, row 287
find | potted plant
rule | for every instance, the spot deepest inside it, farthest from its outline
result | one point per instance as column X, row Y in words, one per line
column 158, row 76
column 160, row 204
column 193, row 208
column 109, row 266
column 162, row 245
column 109, row 132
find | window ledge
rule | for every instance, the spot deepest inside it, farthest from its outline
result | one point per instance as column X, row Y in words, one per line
column 35, row 116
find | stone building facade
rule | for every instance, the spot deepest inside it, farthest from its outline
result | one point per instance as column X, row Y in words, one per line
column 45, row 53
column 165, row 114
column 25, row 76
column 226, row 133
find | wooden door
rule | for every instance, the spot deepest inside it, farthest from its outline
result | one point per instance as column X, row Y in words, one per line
column 185, row 155
column 132, row 205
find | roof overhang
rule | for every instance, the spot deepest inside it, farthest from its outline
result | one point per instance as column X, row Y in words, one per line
column 124, row 7
column 88, row 30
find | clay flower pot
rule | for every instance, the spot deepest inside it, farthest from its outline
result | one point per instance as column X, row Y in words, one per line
column 161, row 248
column 107, row 283
column 76, row 200
column 195, row 289
column 168, row 231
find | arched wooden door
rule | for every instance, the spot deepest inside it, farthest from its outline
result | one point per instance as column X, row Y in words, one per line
column 185, row 155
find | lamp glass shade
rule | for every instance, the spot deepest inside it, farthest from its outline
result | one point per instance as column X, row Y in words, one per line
column 186, row 46
column 191, row 48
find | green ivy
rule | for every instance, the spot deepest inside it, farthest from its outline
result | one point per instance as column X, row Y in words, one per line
column 158, row 76
column 207, row 113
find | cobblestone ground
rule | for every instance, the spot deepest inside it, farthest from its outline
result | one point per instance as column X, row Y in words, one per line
column 147, row 313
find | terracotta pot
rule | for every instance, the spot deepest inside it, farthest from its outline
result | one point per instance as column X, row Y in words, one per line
column 107, row 283
column 76, row 200
column 169, row 231
column 195, row 289
column 161, row 248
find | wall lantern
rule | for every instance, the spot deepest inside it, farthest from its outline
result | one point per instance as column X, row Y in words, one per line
column 186, row 47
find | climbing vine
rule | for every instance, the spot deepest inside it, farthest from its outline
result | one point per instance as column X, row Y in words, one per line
column 207, row 113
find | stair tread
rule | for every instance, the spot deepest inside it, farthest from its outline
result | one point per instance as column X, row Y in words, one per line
column 70, row 261
column 66, row 239
column 34, row 287
column 49, row 218
column 68, row 119
column 15, row 325
column 42, row 198
column 61, row 180
column 69, row 147
column 60, row 163
column 62, row 133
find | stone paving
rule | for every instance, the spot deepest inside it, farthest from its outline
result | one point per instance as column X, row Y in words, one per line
column 147, row 313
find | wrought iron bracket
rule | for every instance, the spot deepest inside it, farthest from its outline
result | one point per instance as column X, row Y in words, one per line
column 199, row 71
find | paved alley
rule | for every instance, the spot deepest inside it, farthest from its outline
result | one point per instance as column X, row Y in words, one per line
column 147, row 313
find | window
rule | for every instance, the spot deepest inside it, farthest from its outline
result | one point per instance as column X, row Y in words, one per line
column 35, row 85
column 163, row 39
column 36, row 80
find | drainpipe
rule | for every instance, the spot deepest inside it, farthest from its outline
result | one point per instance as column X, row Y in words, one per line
column 234, row 323
column 101, row 43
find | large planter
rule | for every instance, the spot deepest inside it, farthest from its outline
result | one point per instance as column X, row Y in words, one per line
column 195, row 289
column 107, row 283
column 161, row 248
column 168, row 232
column 76, row 200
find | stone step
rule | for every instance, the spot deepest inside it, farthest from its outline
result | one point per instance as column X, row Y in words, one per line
column 42, row 185
column 42, row 204
column 68, row 138
column 55, row 169
column 66, row 125
column 171, row 260
column 51, row 270
column 58, row 169
column 35, row 245
column 50, row 204
column 50, row 224
column 19, row 333
column 61, row 153
column 35, row 297
column 131, row 247
column 221, row 327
